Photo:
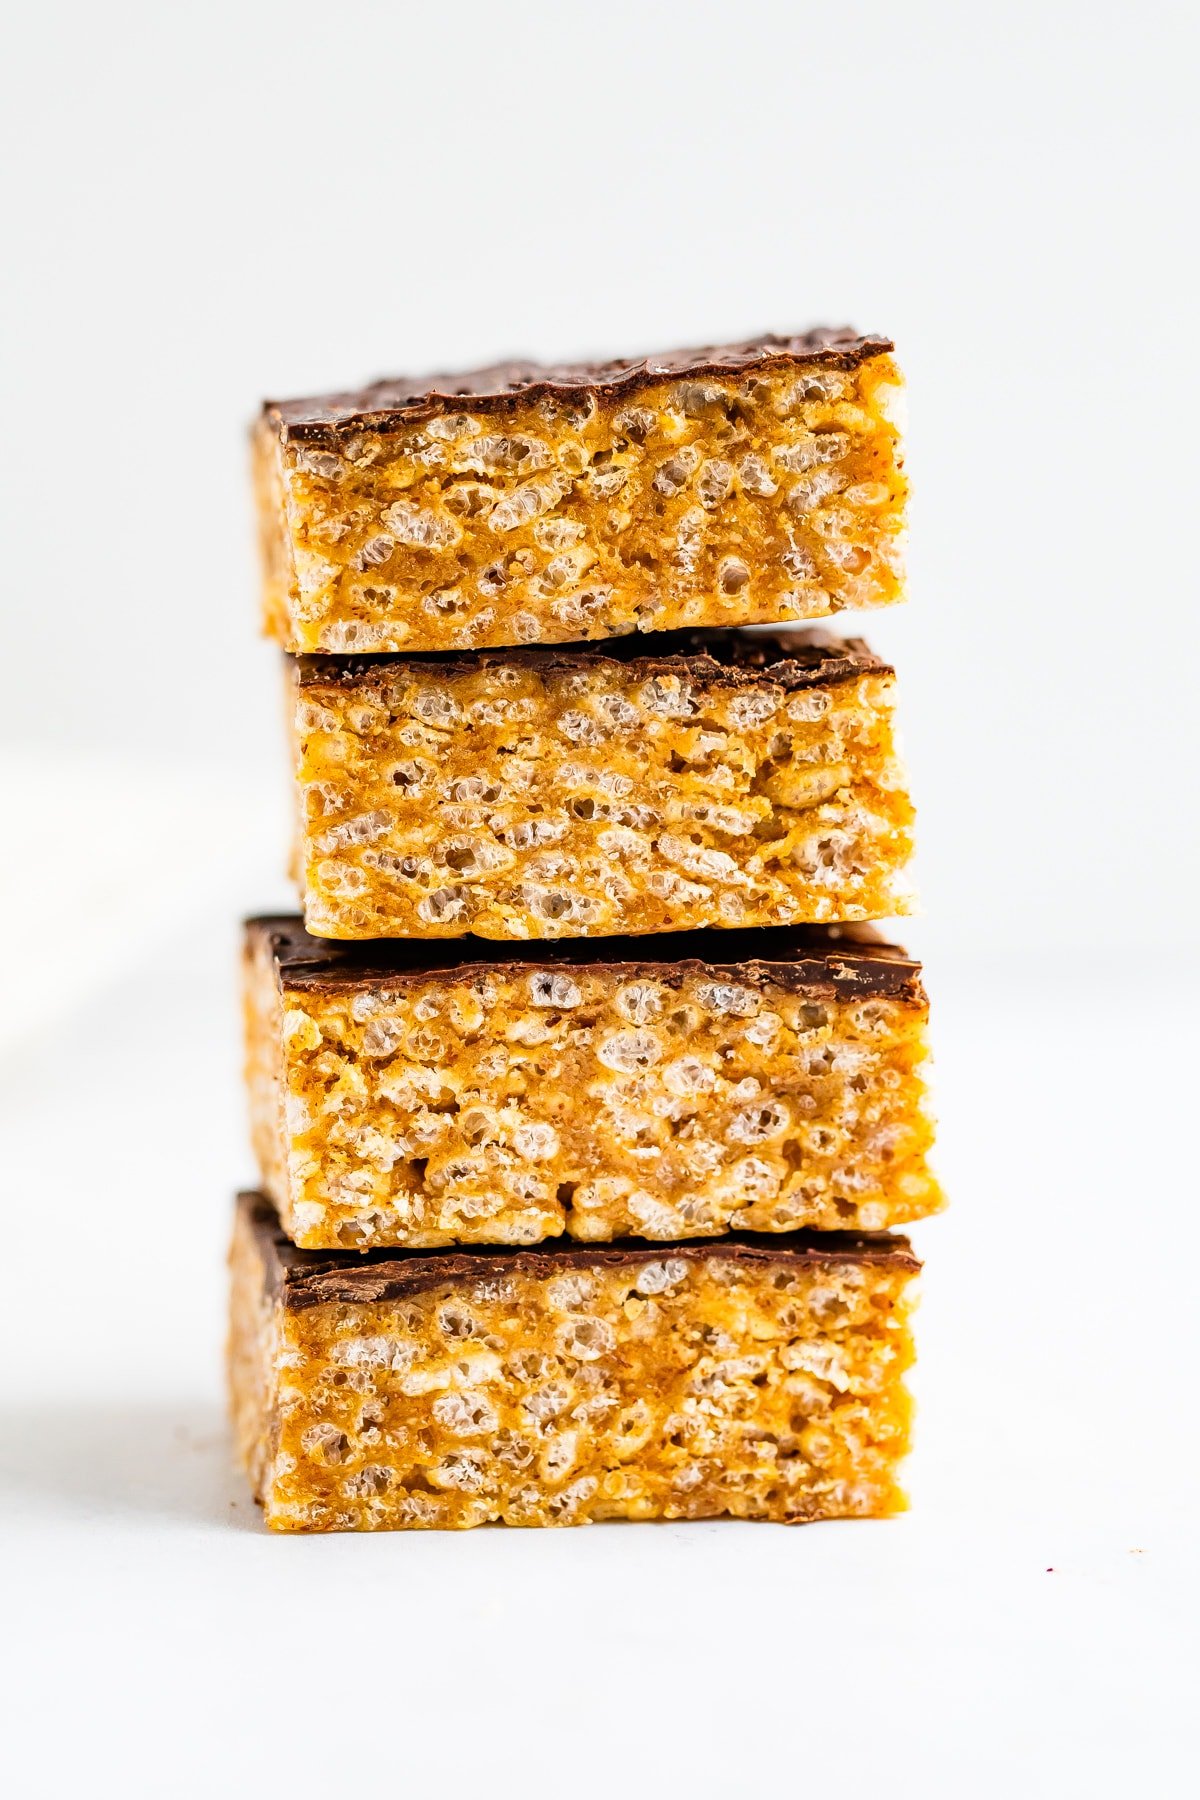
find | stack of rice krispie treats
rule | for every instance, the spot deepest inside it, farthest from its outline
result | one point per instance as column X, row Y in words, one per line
column 584, row 1097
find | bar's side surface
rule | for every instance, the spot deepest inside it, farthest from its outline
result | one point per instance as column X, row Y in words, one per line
column 253, row 1357
column 576, row 793
column 507, row 1101
column 269, row 1034
column 757, row 483
column 569, row 1385
column 279, row 558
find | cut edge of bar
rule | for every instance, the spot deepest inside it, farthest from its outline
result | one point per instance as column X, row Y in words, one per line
column 497, row 387
column 303, row 1278
column 850, row 960
column 734, row 657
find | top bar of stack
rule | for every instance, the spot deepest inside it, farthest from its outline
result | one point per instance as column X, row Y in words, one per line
column 744, row 484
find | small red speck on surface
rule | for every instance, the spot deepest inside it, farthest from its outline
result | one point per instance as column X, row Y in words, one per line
column 1050, row 1571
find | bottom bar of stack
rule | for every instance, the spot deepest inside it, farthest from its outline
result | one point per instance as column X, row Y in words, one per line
column 759, row 1377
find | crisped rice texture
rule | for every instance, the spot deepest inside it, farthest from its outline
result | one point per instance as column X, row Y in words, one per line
column 510, row 1103
column 540, row 1391
column 771, row 494
column 542, row 795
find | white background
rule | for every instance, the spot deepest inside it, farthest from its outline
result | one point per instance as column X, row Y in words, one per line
column 205, row 205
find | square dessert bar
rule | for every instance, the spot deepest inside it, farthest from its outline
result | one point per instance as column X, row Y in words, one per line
column 724, row 778
column 743, row 484
column 416, row 1094
column 761, row 1378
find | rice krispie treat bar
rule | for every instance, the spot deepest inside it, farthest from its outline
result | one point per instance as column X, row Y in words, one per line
column 761, row 1378
column 522, row 504
column 422, row 1094
column 724, row 779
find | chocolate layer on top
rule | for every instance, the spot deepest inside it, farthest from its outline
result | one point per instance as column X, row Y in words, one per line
column 405, row 400
column 793, row 659
column 303, row 1278
column 845, row 961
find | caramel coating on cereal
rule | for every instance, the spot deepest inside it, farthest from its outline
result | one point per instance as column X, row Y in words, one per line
column 750, row 484
column 555, row 1388
column 501, row 1101
column 717, row 780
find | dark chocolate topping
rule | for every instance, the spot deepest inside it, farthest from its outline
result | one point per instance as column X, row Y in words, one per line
column 846, row 961
column 791, row 659
column 302, row 1278
column 407, row 399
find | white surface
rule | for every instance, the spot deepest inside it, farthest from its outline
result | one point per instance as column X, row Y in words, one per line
column 210, row 204
column 1028, row 1627
column 269, row 197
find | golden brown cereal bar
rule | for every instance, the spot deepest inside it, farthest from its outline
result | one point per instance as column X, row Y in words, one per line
column 726, row 778
column 737, row 485
column 761, row 1378
column 406, row 1094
